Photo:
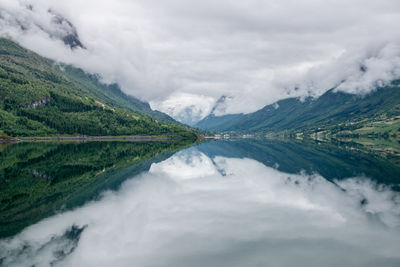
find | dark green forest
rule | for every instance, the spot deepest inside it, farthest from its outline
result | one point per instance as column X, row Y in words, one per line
column 39, row 97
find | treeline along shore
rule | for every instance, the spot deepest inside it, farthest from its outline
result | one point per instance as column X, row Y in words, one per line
column 85, row 138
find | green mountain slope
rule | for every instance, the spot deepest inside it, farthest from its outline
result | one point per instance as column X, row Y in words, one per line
column 218, row 123
column 329, row 110
column 39, row 97
column 113, row 92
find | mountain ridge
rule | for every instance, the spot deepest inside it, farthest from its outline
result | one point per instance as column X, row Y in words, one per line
column 330, row 109
column 39, row 97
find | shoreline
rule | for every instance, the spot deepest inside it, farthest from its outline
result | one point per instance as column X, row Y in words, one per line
column 83, row 138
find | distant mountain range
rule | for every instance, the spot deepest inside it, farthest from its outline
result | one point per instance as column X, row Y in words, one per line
column 332, row 109
column 40, row 97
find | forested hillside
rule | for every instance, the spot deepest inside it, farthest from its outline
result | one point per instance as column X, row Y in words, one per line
column 333, row 110
column 39, row 97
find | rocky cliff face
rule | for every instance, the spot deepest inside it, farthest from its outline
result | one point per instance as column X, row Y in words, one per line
column 50, row 22
column 38, row 103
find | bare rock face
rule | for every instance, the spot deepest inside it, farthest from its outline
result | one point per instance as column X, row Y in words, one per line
column 51, row 22
column 37, row 103
column 220, row 105
column 66, row 31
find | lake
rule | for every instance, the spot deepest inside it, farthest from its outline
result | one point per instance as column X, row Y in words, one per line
column 242, row 202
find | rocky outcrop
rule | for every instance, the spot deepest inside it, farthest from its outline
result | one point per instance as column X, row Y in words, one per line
column 38, row 103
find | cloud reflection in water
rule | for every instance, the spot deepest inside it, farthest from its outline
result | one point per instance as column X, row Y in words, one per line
column 191, row 210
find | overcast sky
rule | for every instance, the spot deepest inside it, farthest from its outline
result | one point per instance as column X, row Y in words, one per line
column 181, row 53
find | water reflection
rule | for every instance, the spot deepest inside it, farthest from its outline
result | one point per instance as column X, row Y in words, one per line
column 330, row 160
column 194, row 209
column 39, row 179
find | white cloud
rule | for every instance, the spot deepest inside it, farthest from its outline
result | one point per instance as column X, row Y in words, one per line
column 255, row 51
column 187, row 108
column 185, row 165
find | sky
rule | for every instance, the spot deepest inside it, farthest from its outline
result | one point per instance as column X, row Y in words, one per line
column 196, row 210
column 182, row 56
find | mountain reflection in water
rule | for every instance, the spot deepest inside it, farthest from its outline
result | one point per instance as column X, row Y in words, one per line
column 230, row 204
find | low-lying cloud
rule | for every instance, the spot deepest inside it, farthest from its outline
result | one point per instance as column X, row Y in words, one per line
column 255, row 52
column 186, row 108
column 233, row 212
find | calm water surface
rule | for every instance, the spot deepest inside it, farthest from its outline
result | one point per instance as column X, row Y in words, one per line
column 225, row 203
